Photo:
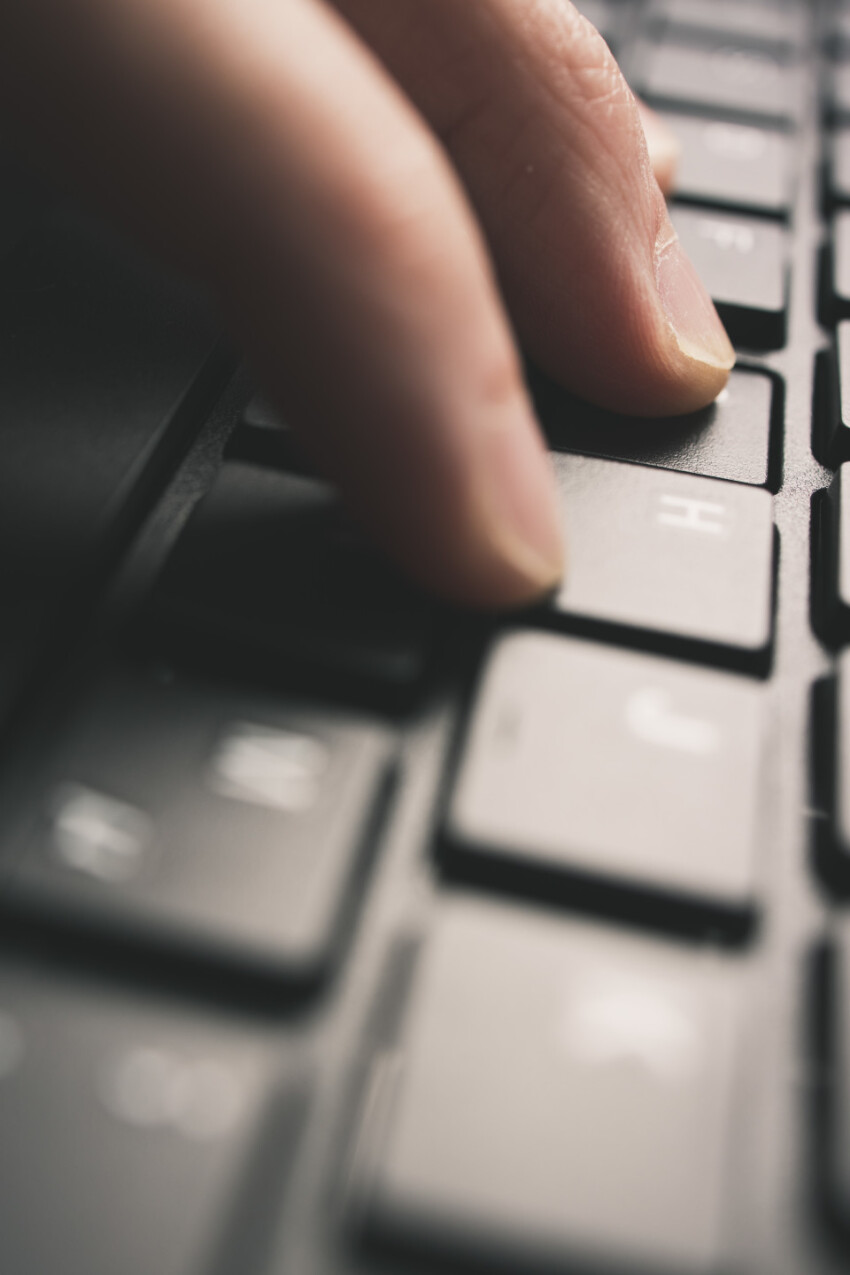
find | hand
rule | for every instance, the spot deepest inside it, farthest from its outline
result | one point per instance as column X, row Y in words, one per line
column 353, row 183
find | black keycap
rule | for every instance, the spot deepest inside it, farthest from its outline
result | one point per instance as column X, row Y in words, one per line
column 841, row 91
column 669, row 559
column 841, row 261
column 833, row 997
column 837, row 552
column 128, row 1131
column 836, row 410
column 104, row 364
column 729, row 439
column 728, row 79
column 264, row 438
column 586, row 762
column 560, row 1098
column 228, row 827
column 732, row 164
column 840, row 166
column 841, row 774
column 743, row 263
column 269, row 577
column 773, row 26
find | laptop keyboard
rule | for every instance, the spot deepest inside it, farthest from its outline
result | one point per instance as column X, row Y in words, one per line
column 345, row 934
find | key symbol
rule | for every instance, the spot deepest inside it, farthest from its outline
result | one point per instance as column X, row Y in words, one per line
column 726, row 235
column 689, row 514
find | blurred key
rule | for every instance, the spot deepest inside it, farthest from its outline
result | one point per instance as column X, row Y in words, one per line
column 127, row 1133
column 560, row 1098
column 834, row 1131
column 743, row 263
column 728, row 79
column 583, row 762
column 603, row 15
column 841, row 91
column 837, row 550
column 224, row 826
column 269, row 578
column 837, row 409
column 668, row 560
column 731, row 438
column 758, row 24
column 732, row 164
column 841, row 261
column 841, row 774
column 840, row 166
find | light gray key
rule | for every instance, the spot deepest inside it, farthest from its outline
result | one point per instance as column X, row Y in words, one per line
column 590, row 763
column 561, row 1095
column 683, row 559
column 127, row 1130
column 729, row 79
column 841, row 261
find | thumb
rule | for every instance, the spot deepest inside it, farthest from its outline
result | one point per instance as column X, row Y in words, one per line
column 548, row 139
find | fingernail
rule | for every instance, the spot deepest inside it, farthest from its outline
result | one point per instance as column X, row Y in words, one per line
column 689, row 309
column 522, row 504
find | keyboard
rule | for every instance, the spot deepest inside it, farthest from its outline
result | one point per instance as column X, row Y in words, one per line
column 342, row 933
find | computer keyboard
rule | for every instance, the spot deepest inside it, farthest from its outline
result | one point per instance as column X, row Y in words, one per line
column 342, row 933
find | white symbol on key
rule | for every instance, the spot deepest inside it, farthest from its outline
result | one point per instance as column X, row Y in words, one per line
column 688, row 514
column 628, row 1020
column 734, row 141
column 150, row 1087
column 267, row 767
column 727, row 235
column 98, row 835
column 651, row 716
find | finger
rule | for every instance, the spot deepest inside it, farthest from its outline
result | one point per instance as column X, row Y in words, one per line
column 546, row 134
column 263, row 143
column 663, row 147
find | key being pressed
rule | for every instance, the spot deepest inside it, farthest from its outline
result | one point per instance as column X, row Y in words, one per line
column 678, row 562
column 129, row 1130
column 206, row 821
column 731, row 438
column 743, row 263
column 560, row 1098
column 589, row 766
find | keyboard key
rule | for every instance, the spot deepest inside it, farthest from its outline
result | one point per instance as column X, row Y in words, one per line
column 128, row 1130
column 840, row 166
column 841, row 91
column 732, row 164
column 560, row 1097
column 222, row 825
column 743, row 263
column 587, row 763
column 105, row 367
column 834, row 1126
column 670, row 560
column 836, row 407
column 841, row 262
column 268, row 577
column 731, row 438
column 264, row 438
column 773, row 26
column 837, row 553
column 729, row 79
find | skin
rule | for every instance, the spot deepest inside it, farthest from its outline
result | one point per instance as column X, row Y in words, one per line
column 388, row 196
